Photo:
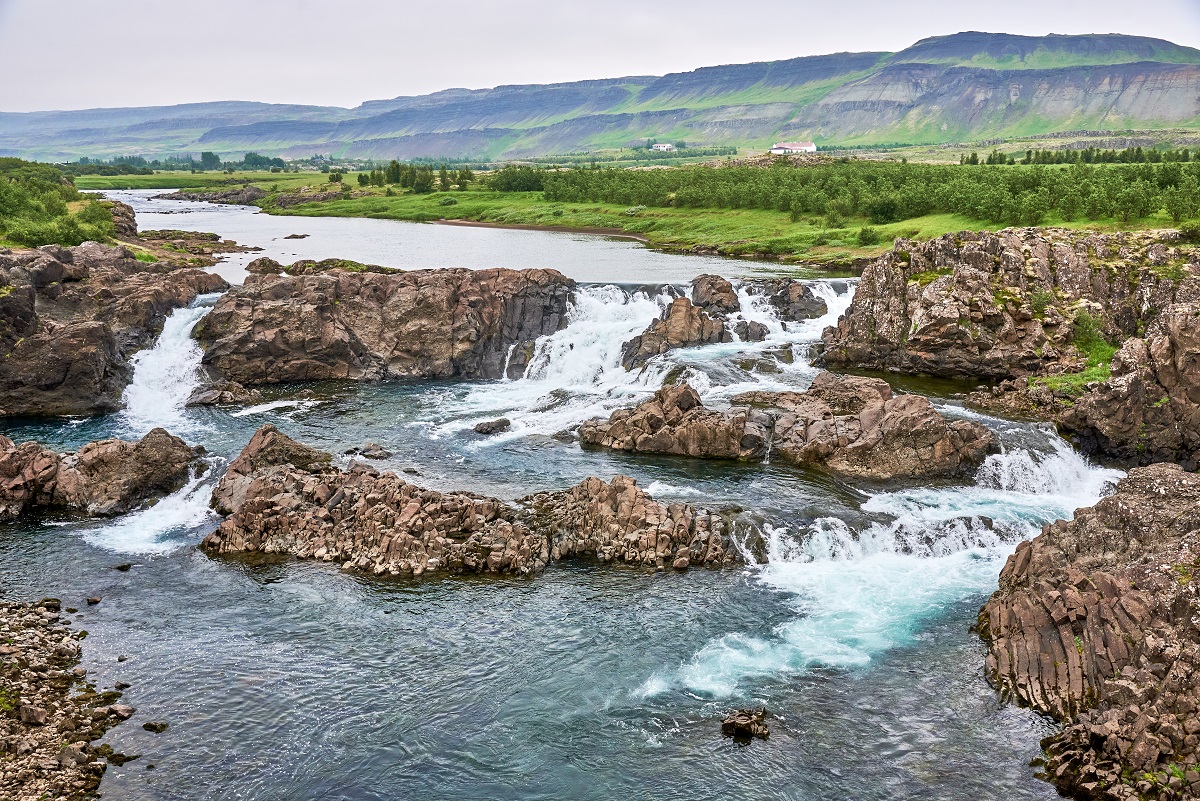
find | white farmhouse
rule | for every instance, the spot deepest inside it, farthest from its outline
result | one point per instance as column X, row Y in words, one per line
column 787, row 148
column 663, row 147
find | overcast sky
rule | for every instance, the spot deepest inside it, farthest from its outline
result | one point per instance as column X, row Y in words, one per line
column 67, row 54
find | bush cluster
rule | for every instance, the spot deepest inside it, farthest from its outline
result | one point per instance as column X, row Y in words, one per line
column 34, row 210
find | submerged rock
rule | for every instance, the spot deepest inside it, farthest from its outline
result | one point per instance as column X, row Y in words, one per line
column 70, row 319
column 223, row 393
column 847, row 425
column 343, row 324
column 745, row 724
column 103, row 478
column 1094, row 624
column 490, row 427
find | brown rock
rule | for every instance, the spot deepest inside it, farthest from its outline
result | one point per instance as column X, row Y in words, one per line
column 1093, row 625
column 342, row 324
column 681, row 325
column 267, row 448
column 104, row 478
column 745, row 724
column 490, row 427
column 792, row 298
column 619, row 522
column 224, row 393
column 715, row 295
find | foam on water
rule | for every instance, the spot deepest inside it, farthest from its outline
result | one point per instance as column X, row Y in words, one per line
column 165, row 375
column 160, row 528
column 576, row 373
column 858, row 593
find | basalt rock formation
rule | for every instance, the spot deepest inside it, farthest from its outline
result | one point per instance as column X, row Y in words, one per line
column 53, row 713
column 285, row 497
column 1095, row 624
column 847, row 425
column 998, row 306
column 70, row 318
column 240, row 196
column 268, row 266
column 715, row 295
column 676, row 421
column 107, row 477
column 223, row 393
column 793, row 300
column 620, row 522
column 343, row 324
column 681, row 325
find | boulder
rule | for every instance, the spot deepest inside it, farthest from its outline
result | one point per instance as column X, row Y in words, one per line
column 746, row 724
column 675, row 421
column 620, row 522
column 345, row 324
column 490, row 427
column 223, row 393
column 1008, row 304
column 268, row 448
column 715, row 295
column 124, row 219
column 70, row 319
column 847, row 425
column 1093, row 624
column 792, row 298
column 855, row 426
column 265, row 265
column 681, row 325
column 103, row 478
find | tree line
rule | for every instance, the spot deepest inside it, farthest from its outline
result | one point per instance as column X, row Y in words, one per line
column 885, row 192
column 420, row 179
column 1087, row 155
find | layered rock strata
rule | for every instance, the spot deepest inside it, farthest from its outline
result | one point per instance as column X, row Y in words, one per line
column 70, row 319
column 285, row 497
column 1095, row 624
column 53, row 714
column 353, row 325
column 997, row 306
column 847, row 425
column 107, row 477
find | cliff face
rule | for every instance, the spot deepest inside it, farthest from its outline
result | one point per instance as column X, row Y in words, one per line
column 950, row 88
column 1094, row 624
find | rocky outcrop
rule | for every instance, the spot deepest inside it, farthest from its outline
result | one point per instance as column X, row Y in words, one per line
column 489, row 427
column 70, row 318
column 107, row 477
column 715, row 295
column 1095, row 624
column 855, row 426
column 238, row 196
column 1008, row 304
column 746, row 724
column 620, row 522
column 284, row 497
column 344, row 324
column 223, row 393
column 681, row 325
column 675, row 421
column 847, row 425
column 52, row 713
column 1149, row 410
column 124, row 219
column 793, row 299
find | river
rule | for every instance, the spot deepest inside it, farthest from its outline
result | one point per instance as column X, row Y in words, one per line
column 290, row 680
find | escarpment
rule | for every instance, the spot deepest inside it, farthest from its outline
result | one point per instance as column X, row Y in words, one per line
column 1095, row 624
column 70, row 319
column 343, row 324
column 285, row 497
column 848, row 425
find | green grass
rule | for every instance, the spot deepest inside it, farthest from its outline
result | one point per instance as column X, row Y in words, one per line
column 198, row 180
column 1090, row 342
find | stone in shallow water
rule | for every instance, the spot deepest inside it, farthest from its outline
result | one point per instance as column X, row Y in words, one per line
column 745, row 724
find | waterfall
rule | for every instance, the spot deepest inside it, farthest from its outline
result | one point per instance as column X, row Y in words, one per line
column 858, row 593
column 176, row 520
column 165, row 375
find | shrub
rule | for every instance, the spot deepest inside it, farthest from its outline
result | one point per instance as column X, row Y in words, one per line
column 633, row 211
column 447, row 201
column 1190, row 232
column 869, row 236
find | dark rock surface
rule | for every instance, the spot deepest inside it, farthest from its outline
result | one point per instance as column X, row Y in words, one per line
column 239, row 196
column 715, row 295
column 1095, row 624
column 70, row 318
column 343, row 324
column 489, row 427
column 746, row 724
column 793, row 299
column 223, row 393
column 106, row 477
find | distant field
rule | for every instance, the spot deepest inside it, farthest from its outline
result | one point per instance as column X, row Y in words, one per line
column 188, row 180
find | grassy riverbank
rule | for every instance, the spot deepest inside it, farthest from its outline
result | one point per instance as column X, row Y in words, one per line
column 806, row 239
